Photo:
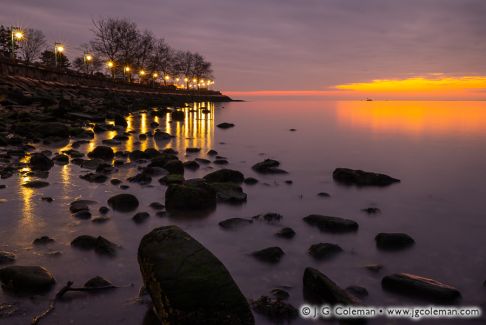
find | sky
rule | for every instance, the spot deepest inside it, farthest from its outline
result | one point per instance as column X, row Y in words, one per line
column 413, row 49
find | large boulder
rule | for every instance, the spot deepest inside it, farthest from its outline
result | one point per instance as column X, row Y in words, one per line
column 102, row 152
column 123, row 202
column 192, row 194
column 331, row 224
column 224, row 176
column 187, row 283
column 320, row 288
column 361, row 178
column 28, row 279
column 419, row 286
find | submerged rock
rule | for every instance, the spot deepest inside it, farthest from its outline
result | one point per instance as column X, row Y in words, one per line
column 393, row 241
column 362, row 178
column 321, row 288
column 269, row 255
column 191, row 195
column 28, row 279
column 285, row 232
column 268, row 166
column 225, row 176
column 229, row 192
column 225, row 125
column 35, row 184
column 99, row 244
column 39, row 161
column 102, row 152
column 270, row 217
column 331, row 224
column 322, row 251
column 415, row 285
column 234, row 223
column 44, row 240
column 250, row 181
column 140, row 217
column 187, row 283
column 123, row 202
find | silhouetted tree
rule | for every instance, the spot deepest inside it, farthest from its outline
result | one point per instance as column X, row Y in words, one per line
column 49, row 60
column 6, row 41
column 31, row 46
column 162, row 59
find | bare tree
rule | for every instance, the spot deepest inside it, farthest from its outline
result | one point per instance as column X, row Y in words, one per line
column 32, row 45
column 201, row 69
column 183, row 65
column 162, row 59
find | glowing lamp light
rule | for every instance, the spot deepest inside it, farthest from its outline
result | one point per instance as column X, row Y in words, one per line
column 186, row 79
column 127, row 69
column 110, row 64
column 155, row 75
column 142, row 73
column 89, row 57
column 166, row 77
column 177, row 79
column 18, row 34
column 194, row 80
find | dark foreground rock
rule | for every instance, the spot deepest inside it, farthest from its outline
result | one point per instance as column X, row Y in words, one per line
column 422, row 287
column 6, row 257
column 194, row 194
column 274, row 309
column 28, row 279
column 361, row 178
column 320, row 288
column 99, row 244
column 123, row 202
column 229, row 192
column 331, row 224
column 187, row 283
column 393, row 241
column 102, row 152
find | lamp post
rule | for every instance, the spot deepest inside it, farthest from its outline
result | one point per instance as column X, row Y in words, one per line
column 111, row 65
column 186, row 80
column 126, row 72
column 87, row 60
column 58, row 50
column 141, row 74
column 17, row 35
column 166, row 78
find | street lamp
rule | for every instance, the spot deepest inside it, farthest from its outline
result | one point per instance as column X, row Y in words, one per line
column 111, row 65
column 58, row 50
column 126, row 71
column 186, row 80
column 87, row 60
column 166, row 78
column 17, row 35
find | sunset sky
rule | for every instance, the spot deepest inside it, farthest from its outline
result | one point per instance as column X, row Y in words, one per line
column 383, row 49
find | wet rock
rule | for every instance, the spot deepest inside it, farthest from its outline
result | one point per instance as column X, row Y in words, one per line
column 97, row 282
column 123, row 202
column 80, row 205
column 191, row 195
column 220, row 162
column 229, row 192
column 323, row 194
column 47, row 199
column 374, row 267
column 28, row 279
column 224, row 176
column 175, row 167
column 102, row 152
column 286, row 233
column 161, row 214
column 83, row 215
column 178, row 115
column 415, row 285
column 270, row 217
column 103, row 210
column 203, row 161
column 361, row 178
column 52, row 129
column 99, row 244
column 142, row 179
column 44, row 240
column 393, row 241
column 191, row 164
column 234, row 223
column 140, row 217
column 357, row 291
column 120, row 120
column 225, row 125
column 269, row 255
column 321, row 288
column 94, row 177
column 187, row 283
column 39, row 161
column 35, row 184
column 6, row 257
column 157, row 206
column 250, row 181
column 268, row 166
column 100, row 220
column 159, row 135
column 193, row 150
column 172, row 179
column 280, row 294
column 212, row 152
column 274, row 309
column 115, row 181
column 331, row 224
column 323, row 251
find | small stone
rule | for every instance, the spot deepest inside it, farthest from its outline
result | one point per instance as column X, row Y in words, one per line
column 97, row 282
column 393, row 241
column 44, row 240
column 100, row 220
column 371, row 210
column 47, row 199
column 374, row 267
column 331, row 224
column 193, row 150
column 286, row 232
column 323, row 194
column 103, row 210
column 102, row 152
column 361, row 178
column 268, row 166
column 250, row 181
column 322, row 251
column 225, row 125
column 157, row 206
column 212, row 152
column 224, row 176
column 280, row 294
column 234, row 223
column 29, row 279
column 123, row 202
column 83, row 215
column 140, row 217
column 270, row 217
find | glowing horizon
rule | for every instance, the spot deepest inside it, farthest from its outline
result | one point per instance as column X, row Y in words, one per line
column 434, row 87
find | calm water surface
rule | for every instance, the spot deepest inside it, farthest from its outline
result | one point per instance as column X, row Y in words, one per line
column 437, row 149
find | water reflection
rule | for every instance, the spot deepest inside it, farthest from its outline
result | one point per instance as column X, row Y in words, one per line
column 414, row 118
